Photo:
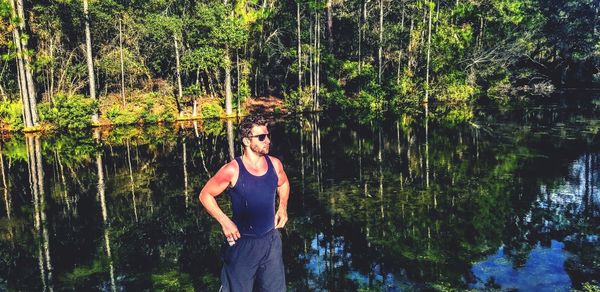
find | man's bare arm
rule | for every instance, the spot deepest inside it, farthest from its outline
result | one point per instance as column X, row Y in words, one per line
column 283, row 190
column 215, row 187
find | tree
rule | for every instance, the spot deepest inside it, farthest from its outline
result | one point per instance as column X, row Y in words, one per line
column 25, row 74
column 89, row 57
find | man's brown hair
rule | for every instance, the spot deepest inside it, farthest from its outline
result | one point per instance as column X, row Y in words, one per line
column 246, row 125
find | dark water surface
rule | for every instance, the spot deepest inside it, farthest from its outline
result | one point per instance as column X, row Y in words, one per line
column 393, row 205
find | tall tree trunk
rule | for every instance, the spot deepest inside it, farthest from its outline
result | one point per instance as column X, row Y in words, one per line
column 26, row 111
column 228, row 95
column 359, row 39
column 3, row 93
column 238, row 68
column 380, row 50
column 480, row 35
column 399, row 66
column 122, row 60
column 25, row 76
column 318, row 62
column 299, row 53
column 330, row 24
column 428, row 53
column 409, row 49
column 178, row 73
column 311, row 56
column 89, row 58
column 28, row 71
column 51, row 91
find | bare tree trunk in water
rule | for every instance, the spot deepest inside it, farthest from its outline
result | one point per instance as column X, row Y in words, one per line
column 7, row 200
column 230, row 139
column 200, row 148
column 36, row 178
column 89, row 58
column 131, row 181
column 185, row 175
column 102, row 196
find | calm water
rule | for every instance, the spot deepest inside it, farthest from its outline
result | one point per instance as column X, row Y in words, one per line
column 392, row 205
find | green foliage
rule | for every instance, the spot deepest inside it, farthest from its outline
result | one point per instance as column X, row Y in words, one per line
column 15, row 149
column 452, row 91
column 406, row 97
column 499, row 90
column 157, row 108
column 202, row 58
column 211, row 109
column 355, row 90
column 69, row 111
column 193, row 90
column 11, row 115
column 213, row 127
column 213, row 26
column 589, row 287
column 110, row 64
column 300, row 101
column 4, row 25
column 122, row 116
column 449, row 43
column 141, row 107
column 172, row 281
column 494, row 44
column 453, row 115
column 244, row 86
column 83, row 273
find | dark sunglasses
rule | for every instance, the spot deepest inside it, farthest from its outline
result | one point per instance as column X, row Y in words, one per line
column 261, row 137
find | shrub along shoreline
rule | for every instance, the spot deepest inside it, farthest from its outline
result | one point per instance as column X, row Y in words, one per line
column 75, row 111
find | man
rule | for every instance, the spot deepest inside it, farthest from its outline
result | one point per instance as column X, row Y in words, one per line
column 253, row 259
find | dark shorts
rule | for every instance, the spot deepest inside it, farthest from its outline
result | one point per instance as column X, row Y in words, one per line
column 254, row 264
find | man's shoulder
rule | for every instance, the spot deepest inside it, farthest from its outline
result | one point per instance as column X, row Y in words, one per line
column 230, row 167
column 274, row 159
column 276, row 162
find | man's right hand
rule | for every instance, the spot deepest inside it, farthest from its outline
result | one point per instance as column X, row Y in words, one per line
column 230, row 230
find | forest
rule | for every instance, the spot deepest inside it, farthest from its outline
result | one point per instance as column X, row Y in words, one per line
column 76, row 64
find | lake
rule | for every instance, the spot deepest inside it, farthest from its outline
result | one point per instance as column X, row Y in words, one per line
column 510, row 200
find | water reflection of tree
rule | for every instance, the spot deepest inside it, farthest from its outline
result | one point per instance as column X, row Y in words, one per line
column 360, row 204
column 419, row 223
column 36, row 182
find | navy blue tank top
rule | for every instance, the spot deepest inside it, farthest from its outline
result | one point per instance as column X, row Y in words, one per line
column 253, row 200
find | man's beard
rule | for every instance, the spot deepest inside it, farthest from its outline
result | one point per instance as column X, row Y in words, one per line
column 263, row 151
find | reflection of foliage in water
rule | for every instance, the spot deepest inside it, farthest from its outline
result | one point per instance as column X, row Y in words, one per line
column 377, row 203
column 478, row 190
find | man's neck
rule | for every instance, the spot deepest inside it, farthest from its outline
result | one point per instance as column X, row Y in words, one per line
column 253, row 158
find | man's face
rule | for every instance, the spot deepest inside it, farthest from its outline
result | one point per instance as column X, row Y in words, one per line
column 256, row 145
